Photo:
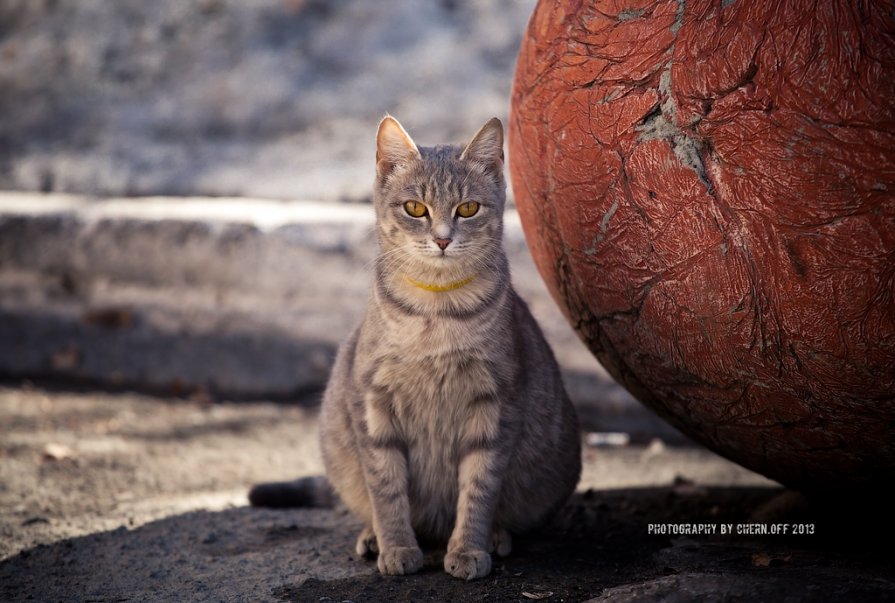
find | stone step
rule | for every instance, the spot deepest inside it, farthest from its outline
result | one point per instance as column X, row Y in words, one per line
column 233, row 298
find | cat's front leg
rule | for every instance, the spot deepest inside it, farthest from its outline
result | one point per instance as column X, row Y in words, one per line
column 384, row 463
column 482, row 461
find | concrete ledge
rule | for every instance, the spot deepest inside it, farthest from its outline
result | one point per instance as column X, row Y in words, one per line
column 237, row 298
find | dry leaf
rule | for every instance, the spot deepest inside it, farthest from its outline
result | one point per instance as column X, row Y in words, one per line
column 537, row 596
column 764, row 560
column 66, row 359
column 111, row 318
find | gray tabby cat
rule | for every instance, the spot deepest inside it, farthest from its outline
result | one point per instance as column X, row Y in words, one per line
column 445, row 417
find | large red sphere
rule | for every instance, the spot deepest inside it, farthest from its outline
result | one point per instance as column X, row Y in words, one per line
column 707, row 189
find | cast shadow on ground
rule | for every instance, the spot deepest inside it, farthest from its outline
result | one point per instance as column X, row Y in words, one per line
column 237, row 362
column 599, row 545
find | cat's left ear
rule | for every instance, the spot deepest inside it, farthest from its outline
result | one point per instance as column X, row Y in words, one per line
column 486, row 147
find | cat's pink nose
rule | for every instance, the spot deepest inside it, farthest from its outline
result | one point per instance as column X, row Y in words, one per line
column 443, row 243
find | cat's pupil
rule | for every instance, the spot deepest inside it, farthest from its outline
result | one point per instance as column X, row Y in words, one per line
column 415, row 209
column 468, row 209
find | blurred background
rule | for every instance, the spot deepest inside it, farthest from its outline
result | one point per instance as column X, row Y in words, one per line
column 187, row 183
column 261, row 98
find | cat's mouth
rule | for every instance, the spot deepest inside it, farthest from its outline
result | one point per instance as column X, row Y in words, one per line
column 453, row 256
column 438, row 255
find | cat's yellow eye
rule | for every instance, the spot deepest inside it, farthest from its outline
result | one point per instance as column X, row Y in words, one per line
column 468, row 209
column 415, row 209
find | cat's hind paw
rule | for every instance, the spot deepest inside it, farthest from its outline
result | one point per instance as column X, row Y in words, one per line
column 467, row 565
column 400, row 560
column 367, row 546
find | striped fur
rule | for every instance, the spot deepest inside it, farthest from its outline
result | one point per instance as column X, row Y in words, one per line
column 445, row 417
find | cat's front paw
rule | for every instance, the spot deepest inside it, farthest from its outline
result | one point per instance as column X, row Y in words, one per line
column 467, row 565
column 400, row 560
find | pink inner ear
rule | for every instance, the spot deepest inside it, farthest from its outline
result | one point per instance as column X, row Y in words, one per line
column 393, row 144
column 487, row 144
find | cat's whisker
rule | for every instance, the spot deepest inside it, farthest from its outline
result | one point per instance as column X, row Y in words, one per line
column 399, row 270
column 369, row 265
column 395, row 267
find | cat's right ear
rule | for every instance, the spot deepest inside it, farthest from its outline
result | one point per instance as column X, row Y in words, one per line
column 393, row 146
column 486, row 147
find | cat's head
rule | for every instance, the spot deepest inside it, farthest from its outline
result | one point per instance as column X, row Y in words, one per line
column 440, row 208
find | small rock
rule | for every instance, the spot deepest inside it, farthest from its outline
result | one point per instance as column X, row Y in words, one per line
column 607, row 439
column 211, row 538
column 57, row 452
column 202, row 396
column 680, row 480
column 33, row 520
column 686, row 487
column 655, row 448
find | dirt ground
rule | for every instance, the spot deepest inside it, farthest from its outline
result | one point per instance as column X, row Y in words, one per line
column 125, row 497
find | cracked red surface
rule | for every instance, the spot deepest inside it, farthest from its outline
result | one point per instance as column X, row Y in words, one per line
column 707, row 189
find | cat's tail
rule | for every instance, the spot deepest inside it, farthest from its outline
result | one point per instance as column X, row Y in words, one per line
column 312, row 491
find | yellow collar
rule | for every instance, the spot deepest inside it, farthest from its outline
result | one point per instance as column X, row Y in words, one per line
column 440, row 288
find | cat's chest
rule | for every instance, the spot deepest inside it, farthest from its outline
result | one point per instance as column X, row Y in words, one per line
column 432, row 390
column 434, row 369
